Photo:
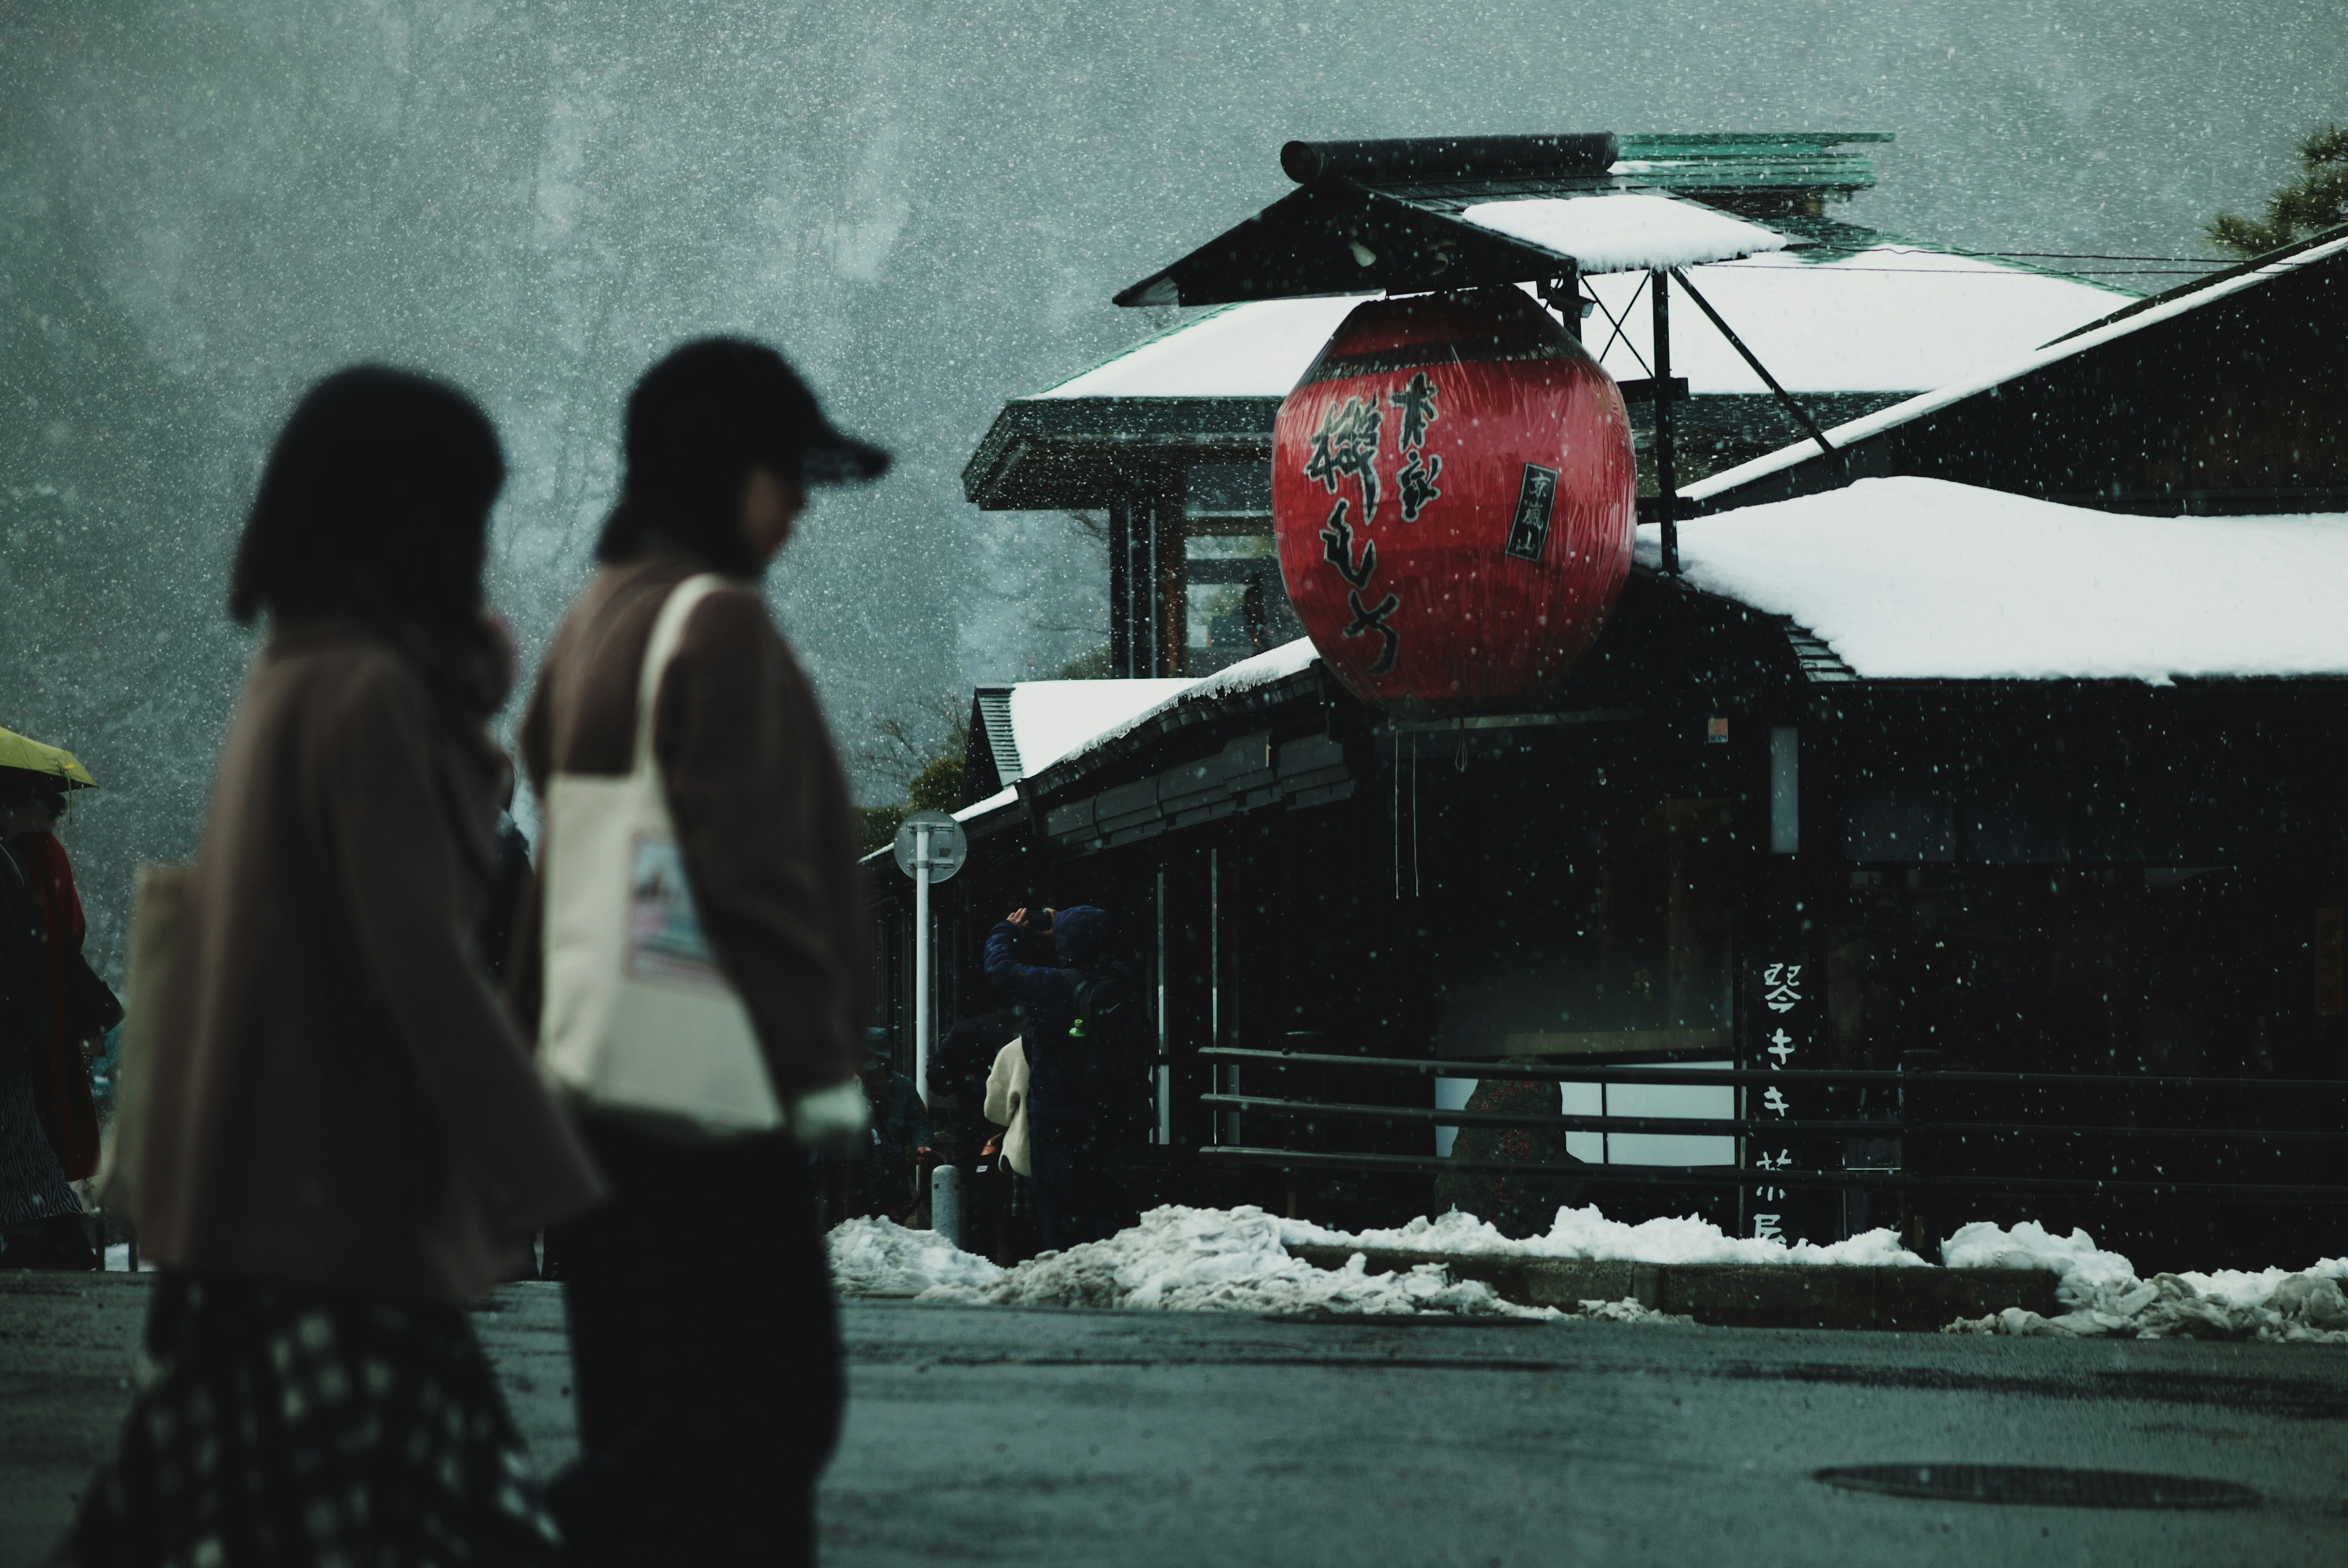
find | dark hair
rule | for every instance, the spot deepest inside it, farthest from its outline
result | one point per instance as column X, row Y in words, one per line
column 374, row 505
column 698, row 423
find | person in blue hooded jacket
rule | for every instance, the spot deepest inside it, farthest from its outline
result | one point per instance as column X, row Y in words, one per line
column 1087, row 1061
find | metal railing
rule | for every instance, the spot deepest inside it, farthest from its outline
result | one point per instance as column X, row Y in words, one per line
column 1921, row 1114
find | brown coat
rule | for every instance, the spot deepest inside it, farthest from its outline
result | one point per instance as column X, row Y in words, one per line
column 762, row 811
column 338, row 1096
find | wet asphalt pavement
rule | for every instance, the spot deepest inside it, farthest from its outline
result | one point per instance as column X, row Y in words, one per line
column 1042, row 1436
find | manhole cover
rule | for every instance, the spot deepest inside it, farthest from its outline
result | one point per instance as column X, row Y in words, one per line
column 2046, row 1486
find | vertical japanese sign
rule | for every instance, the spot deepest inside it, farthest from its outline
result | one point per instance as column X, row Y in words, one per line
column 1784, row 1006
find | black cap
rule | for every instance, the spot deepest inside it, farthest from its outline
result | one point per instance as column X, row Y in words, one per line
column 719, row 405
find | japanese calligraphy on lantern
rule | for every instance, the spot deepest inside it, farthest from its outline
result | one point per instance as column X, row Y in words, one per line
column 1344, row 446
column 1536, row 501
column 1414, row 480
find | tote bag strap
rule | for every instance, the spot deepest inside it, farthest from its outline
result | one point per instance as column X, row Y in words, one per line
column 668, row 631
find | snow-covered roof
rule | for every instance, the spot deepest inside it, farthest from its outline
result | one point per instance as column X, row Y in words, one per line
column 1261, row 670
column 2004, row 368
column 1888, row 318
column 1256, row 350
column 1923, row 578
column 990, row 806
column 1050, row 719
column 1625, row 232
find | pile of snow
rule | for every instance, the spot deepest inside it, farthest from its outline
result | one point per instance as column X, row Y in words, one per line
column 1629, row 1310
column 1587, row 1233
column 2106, row 1297
column 1238, row 1260
column 1911, row 577
column 1223, row 1260
column 882, row 1257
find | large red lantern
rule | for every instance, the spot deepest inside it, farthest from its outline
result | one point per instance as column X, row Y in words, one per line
column 1454, row 496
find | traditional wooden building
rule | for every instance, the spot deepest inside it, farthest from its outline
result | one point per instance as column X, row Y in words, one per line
column 1967, row 766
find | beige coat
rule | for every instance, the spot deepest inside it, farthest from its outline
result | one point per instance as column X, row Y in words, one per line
column 1006, row 1104
column 336, row 1096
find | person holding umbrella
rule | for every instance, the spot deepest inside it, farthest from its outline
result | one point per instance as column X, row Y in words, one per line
column 40, row 1218
column 33, row 781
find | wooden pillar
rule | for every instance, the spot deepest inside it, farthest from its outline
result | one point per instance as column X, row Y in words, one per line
column 1120, row 589
column 1170, row 575
column 1147, row 579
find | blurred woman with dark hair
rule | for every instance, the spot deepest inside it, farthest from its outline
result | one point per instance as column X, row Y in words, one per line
column 344, row 1138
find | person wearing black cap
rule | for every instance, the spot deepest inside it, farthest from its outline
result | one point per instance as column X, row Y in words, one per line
column 709, row 1402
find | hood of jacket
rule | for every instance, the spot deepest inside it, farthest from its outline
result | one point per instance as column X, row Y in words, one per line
column 1083, row 936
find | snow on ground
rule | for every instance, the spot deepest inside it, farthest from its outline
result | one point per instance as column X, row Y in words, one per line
column 1222, row 1260
column 1912, row 578
column 2106, row 1297
column 1238, row 1260
column 882, row 1257
column 1587, row 1233
column 1622, row 234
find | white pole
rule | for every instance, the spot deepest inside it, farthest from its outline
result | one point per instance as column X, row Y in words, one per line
column 922, row 959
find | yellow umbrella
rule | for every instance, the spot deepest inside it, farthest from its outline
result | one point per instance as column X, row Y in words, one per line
column 22, row 752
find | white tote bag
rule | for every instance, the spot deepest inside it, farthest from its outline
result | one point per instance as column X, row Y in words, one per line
column 639, row 1020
